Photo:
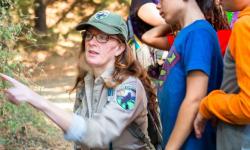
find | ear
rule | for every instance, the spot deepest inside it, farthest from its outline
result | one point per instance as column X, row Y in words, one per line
column 120, row 49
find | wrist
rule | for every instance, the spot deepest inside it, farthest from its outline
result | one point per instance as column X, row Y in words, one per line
column 171, row 146
column 36, row 101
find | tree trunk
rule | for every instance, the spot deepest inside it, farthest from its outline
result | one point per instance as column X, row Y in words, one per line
column 40, row 16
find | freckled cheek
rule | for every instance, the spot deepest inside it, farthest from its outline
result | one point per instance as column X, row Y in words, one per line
column 110, row 51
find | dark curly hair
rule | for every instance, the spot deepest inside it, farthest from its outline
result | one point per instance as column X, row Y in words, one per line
column 214, row 13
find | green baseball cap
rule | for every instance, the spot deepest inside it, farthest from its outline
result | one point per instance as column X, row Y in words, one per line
column 107, row 22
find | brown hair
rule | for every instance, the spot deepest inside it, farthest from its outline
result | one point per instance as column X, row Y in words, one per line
column 125, row 65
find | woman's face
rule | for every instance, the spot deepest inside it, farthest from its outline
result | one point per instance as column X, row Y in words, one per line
column 171, row 10
column 101, row 49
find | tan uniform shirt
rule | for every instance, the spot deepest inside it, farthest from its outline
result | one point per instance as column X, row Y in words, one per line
column 107, row 120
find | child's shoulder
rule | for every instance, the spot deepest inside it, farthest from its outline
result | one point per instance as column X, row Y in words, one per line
column 198, row 26
column 243, row 20
column 201, row 28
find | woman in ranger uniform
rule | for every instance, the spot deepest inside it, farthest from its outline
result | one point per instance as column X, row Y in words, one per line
column 111, row 90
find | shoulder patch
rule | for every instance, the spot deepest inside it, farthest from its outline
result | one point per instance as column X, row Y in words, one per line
column 126, row 97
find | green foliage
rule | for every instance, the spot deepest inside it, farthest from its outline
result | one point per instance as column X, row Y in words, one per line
column 9, row 33
column 5, row 3
column 17, row 117
column 13, row 30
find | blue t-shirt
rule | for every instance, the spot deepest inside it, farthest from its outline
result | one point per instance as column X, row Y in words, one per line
column 196, row 47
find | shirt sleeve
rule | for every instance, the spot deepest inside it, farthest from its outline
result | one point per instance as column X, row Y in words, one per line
column 127, row 103
column 234, row 108
column 198, row 51
column 77, row 129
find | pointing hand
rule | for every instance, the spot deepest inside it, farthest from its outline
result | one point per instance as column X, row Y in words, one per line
column 18, row 92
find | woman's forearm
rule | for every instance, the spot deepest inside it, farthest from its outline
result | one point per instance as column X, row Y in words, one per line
column 60, row 117
column 19, row 93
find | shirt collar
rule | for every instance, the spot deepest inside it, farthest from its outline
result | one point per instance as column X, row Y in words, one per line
column 106, row 75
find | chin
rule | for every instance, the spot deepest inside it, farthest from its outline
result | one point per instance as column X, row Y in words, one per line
column 228, row 7
column 92, row 63
column 168, row 19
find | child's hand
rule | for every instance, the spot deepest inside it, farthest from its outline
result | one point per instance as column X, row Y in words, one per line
column 18, row 92
column 199, row 125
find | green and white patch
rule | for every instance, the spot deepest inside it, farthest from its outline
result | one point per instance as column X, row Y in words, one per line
column 126, row 97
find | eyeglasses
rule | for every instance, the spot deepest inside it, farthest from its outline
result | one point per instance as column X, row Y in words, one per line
column 101, row 38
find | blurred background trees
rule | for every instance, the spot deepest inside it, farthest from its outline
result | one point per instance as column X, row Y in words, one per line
column 65, row 8
column 40, row 15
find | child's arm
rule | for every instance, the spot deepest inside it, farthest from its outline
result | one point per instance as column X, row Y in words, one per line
column 234, row 108
column 150, row 14
column 157, row 37
column 197, row 83
column 231, row 108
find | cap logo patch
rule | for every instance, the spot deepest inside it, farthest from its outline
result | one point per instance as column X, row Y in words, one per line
column 101, row 15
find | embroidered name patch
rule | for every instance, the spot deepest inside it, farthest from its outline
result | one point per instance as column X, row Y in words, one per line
column 126, row 98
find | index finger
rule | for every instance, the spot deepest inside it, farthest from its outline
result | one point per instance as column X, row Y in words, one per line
column 7, row 78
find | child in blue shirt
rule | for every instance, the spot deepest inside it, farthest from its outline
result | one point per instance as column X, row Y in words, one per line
column 192, row 69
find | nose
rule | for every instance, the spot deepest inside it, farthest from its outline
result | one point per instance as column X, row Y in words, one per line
column 158, row 6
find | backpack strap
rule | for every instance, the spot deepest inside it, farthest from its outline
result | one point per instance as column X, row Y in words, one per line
column 136, row 131
column 110, row 94
column 130, row 28
column 110, row 146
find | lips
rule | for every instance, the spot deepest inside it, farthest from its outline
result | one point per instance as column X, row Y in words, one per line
column 93, row 52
